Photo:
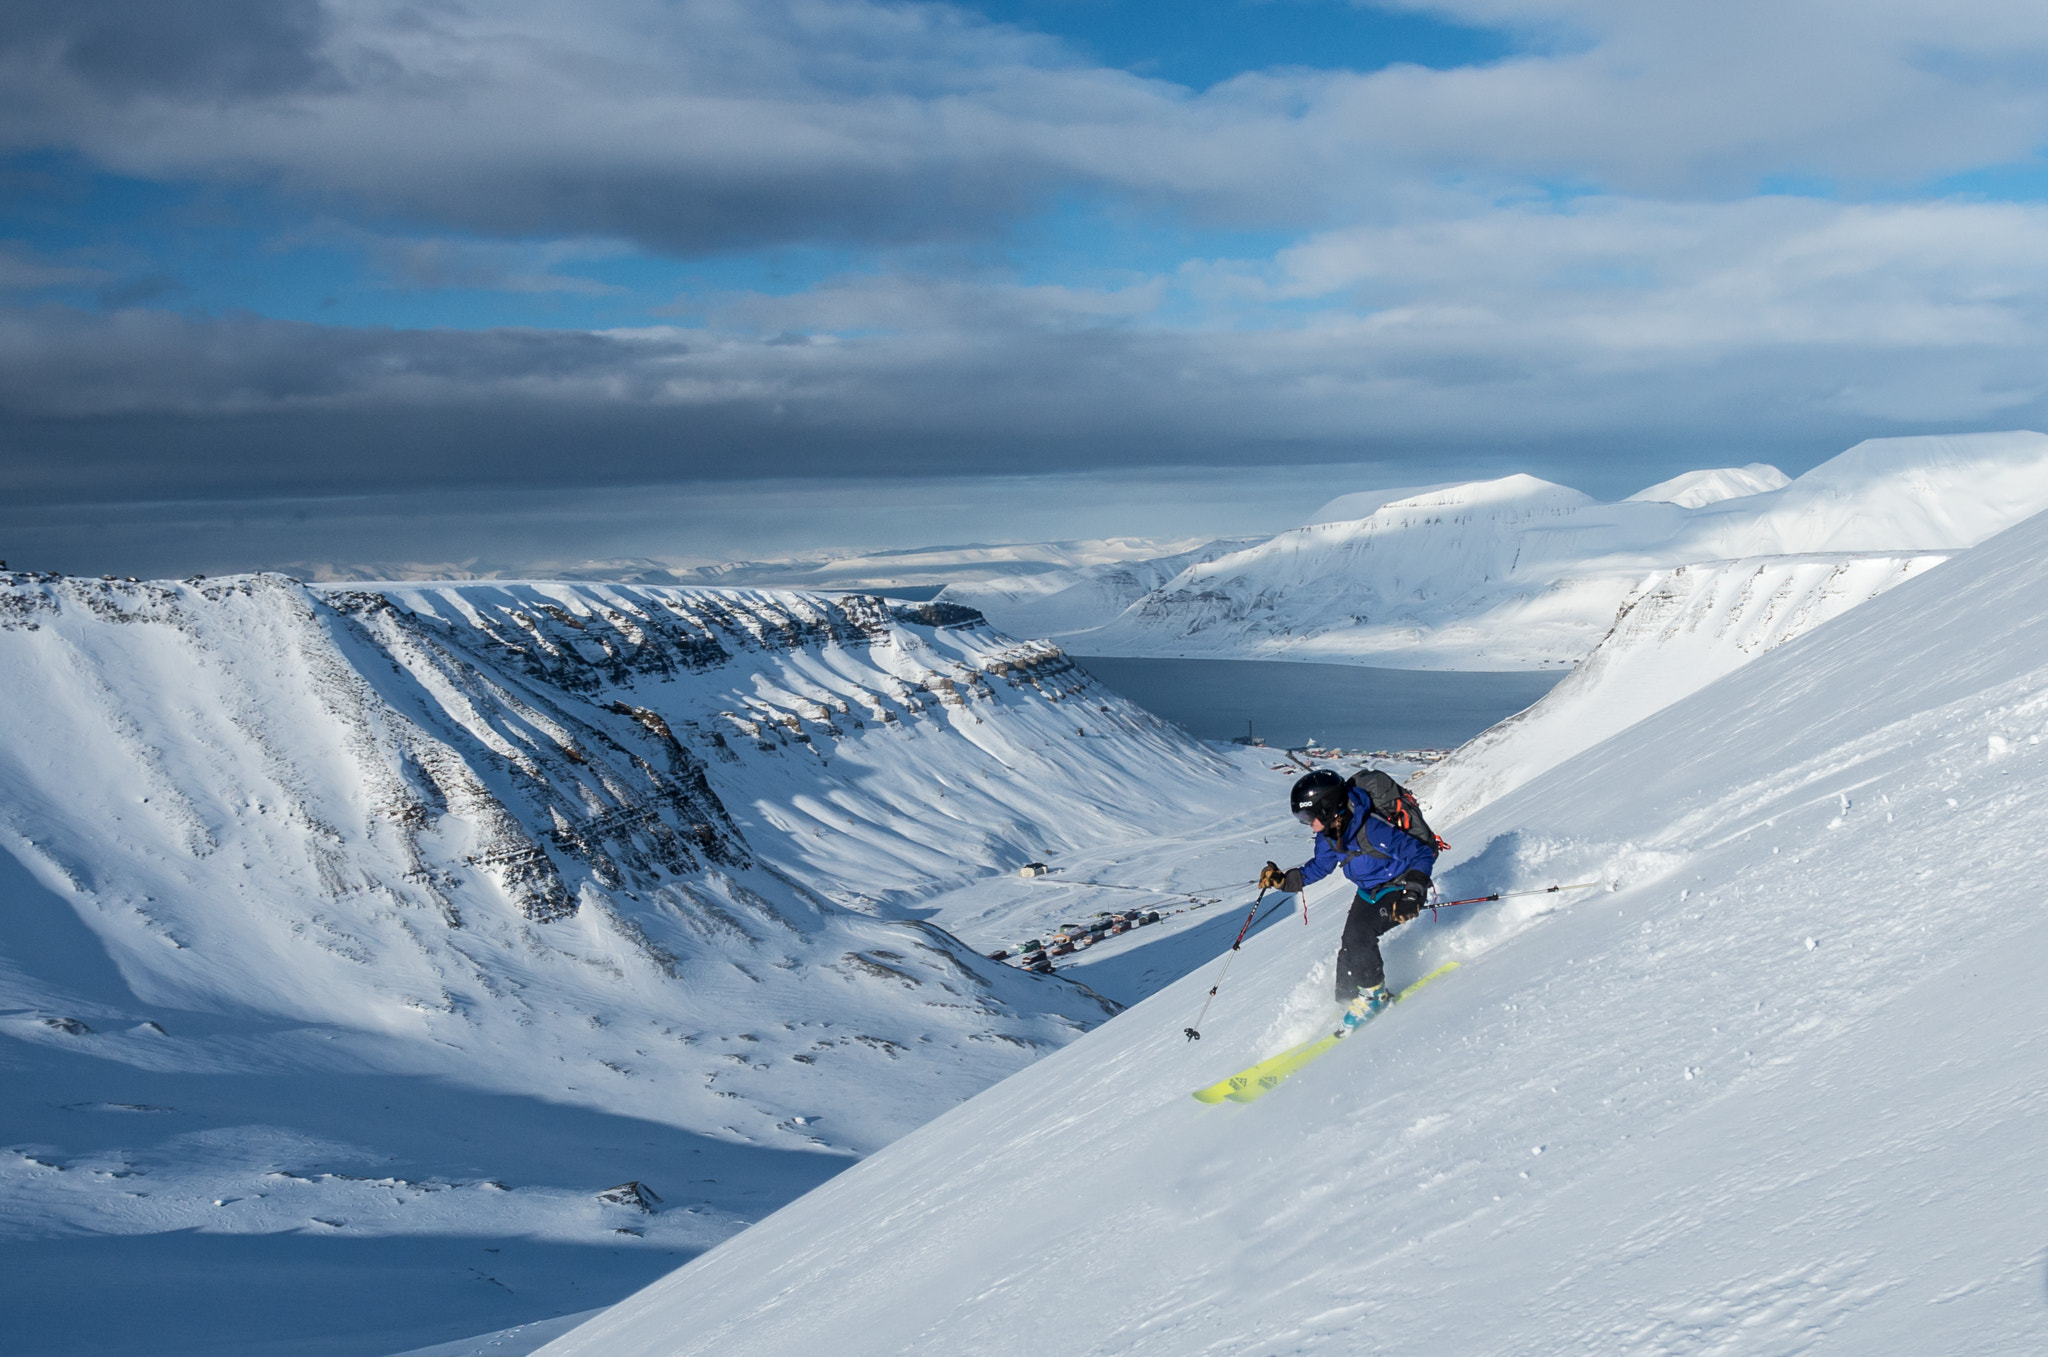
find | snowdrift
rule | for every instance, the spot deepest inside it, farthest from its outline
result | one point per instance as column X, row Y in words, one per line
column 1785, row 1087
column 1518, row 573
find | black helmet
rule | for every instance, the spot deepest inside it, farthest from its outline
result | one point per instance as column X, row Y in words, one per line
column 1321, row 795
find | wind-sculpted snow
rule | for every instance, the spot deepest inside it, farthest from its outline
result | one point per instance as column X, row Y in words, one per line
column 548, row 846
column 1782, row 1088
column 1518, row 573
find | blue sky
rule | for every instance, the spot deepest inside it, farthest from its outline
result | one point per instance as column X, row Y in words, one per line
column 305, row 251
column 1202, row 44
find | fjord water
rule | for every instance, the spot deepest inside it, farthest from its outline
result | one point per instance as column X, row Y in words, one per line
column 1340, row 706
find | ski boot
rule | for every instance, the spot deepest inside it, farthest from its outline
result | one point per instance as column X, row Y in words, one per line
column 1368, row 1003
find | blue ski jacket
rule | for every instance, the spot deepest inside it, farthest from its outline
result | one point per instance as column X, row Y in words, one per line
column 1401, row 852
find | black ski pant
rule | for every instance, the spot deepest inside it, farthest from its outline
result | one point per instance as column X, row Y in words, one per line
column 1359, row 965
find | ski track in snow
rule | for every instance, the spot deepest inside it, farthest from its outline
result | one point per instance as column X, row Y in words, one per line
column 1784, row 1089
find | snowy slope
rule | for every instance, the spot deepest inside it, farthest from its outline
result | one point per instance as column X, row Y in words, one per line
column 533, row 862
column 1378, row 589
column 1884, row 494
column 1687, row 626
column 1521, row 574
column 1784, row 1090
column 1684, row 628
column 1366, row 503
column 888, row 762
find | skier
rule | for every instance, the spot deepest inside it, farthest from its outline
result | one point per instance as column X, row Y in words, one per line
column 1389, row 866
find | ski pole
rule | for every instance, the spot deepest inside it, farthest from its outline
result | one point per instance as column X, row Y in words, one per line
column 1188, row 894
column 1194, row 1033
column 1502, row 895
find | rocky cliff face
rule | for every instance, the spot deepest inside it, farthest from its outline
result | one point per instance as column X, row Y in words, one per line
column 876, row 752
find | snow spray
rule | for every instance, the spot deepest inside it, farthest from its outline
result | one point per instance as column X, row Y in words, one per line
column 1436, row 905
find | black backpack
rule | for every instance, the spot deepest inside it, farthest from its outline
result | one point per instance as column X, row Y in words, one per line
column 1396, row 805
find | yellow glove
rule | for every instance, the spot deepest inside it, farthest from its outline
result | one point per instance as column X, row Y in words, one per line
column 1271, row 876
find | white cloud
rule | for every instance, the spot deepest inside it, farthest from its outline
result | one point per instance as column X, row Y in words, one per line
column 1709, row 278
column 709, row 123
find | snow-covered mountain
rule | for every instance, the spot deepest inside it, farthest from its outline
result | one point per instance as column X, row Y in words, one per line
column 1518, row 573
column 1685, row 627
column 1783, row 1087
column 1696, row 489
column 1377, row 589
column 1513, row 573
column 518, row 857
column 1365, row 503
column 1056, row 602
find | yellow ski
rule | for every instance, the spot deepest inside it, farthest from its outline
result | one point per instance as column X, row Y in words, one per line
column 1252, row 1084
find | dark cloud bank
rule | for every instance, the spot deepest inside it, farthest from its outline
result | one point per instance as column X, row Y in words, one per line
column 148, row 404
